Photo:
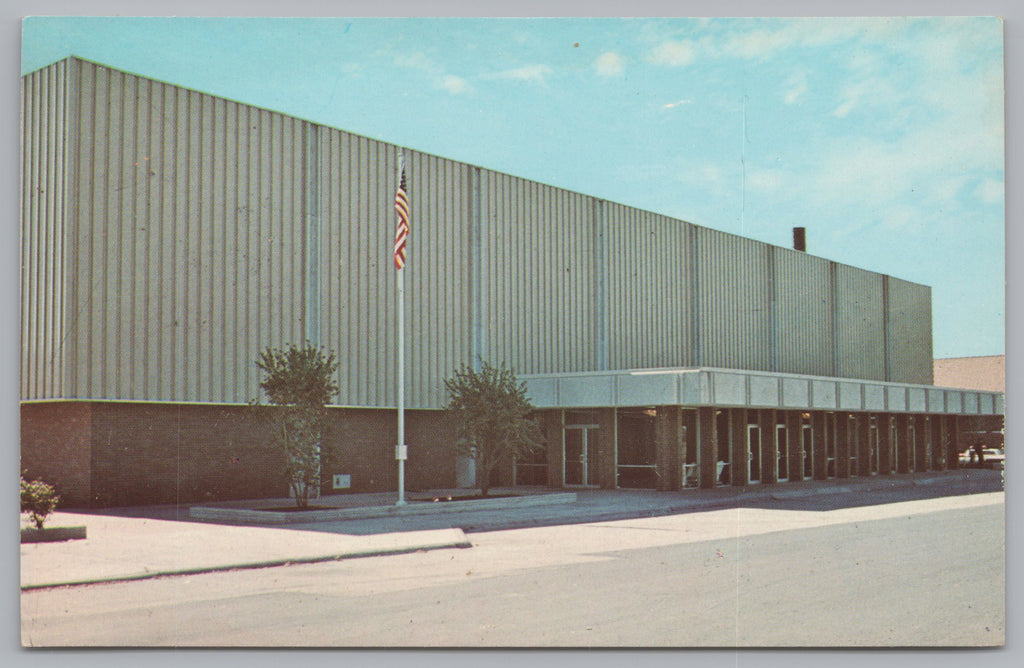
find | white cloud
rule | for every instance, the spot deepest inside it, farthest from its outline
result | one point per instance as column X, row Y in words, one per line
column 609, row 64
column 673, row 54
column 766, row 43
column 842, row 110
column 532, row 73
column 680, row 103
column 441, row 79
column 768, row 180
column 454, row 84
column 796, row 86
column 990, row 191
column 416, row 61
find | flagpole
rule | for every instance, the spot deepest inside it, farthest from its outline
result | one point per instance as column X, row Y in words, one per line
column 401, row 450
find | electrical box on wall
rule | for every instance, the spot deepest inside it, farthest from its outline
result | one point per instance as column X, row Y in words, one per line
column 342, row 481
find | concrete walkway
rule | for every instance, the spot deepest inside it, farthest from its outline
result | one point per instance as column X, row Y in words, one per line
column 134, row 543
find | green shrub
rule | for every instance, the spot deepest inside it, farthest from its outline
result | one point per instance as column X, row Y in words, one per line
column 39, row 500
column 298, row 382
column 493, row 417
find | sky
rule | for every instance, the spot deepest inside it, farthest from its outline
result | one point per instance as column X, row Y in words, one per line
column 883, row 137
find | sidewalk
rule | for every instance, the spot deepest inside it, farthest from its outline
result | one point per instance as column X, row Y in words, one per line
column 135, row 543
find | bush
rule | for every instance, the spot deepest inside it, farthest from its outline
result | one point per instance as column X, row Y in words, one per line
column 493, row 418
column 298, row 382
column 39, row 500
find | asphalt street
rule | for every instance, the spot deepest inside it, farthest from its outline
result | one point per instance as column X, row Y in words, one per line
column 925, row 572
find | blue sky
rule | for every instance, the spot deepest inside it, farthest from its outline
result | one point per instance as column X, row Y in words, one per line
column 884, row 137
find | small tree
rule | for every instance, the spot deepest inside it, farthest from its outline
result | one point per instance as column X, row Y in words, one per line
column 298, row 382
column 492, row 417
column 39, row 500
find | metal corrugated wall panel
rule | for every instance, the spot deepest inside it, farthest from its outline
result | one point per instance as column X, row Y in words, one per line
column 358, row 291
column 735, row 303
column 648, row 289
column 359, row 177
column 43, row 252
column 188, row 247
column 439, row 322
column 538, row 276
column 860, row 321
column 804, row 305
column 909, row 332
column 189, row 232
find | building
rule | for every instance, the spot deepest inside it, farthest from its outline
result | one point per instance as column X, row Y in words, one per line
column 986, row 372
column 170, row 235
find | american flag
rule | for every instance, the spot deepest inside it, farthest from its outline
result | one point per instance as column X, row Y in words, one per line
column 402, row 231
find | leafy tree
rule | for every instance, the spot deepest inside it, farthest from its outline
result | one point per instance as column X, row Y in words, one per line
column 298, row 381
column 492, row 416
column 39, row 500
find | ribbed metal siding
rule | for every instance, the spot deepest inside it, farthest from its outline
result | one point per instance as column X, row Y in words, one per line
column 538, row 276
column 804, row 313
column 358, row 304
column 735, row 303
column 189, row 240
column 860, row 323
column 648, row 289
column 43, row 252
column 909, row 332
column 186, row 242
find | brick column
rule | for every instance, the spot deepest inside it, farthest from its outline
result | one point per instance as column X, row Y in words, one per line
column 794, row 439
column 551, row 423
column 667, row 448
column 863, row 444
column 707, row 427
column 938, row 435
column 819, row 426
column 738, row 453
column 922, row 432
column 884, row 445
column 688, row 439
column 842, row 445
column 902, row 443
column 769, row 446
column 952, row 442
column 606, row 473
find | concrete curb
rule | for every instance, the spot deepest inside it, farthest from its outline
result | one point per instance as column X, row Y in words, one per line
column 264, row 517
column 52, row 534
column 455, row 538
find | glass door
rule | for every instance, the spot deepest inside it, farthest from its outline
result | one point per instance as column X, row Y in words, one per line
column 807, row 440
column 781, row 436
column 580, row 454
column 753, row 453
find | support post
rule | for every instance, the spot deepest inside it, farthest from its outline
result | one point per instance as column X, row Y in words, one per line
column 842, row 450
column 819, row 427
column 903, row 443
column 884, row 426
column 739, row 448
column 923, row 434
column 953, row 443
column 707, row 447
column 795, row 439
column 769, row 446
column 863, row 444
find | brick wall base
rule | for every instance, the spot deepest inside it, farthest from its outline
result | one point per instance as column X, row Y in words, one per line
column 108, row 454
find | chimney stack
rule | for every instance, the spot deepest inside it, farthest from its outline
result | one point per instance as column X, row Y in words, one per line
column 800, row 239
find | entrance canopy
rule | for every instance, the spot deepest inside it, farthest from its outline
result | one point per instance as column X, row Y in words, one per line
column 705, row 386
